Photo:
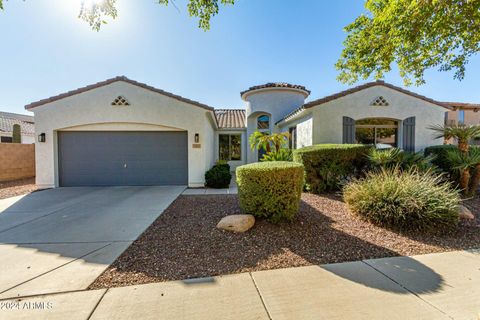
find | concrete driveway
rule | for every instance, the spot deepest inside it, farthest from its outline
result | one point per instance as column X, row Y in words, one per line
column 62, row 239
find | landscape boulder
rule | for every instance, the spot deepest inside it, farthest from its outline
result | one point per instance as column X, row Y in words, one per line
column 237, row 222
column 465, row 213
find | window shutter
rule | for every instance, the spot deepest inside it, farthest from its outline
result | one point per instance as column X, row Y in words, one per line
column 348, row 130
column 409, row 134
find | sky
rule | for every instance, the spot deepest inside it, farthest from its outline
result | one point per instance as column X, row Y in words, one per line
column 46, row 50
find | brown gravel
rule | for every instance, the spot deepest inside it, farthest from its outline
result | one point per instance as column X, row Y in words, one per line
column 184, row 242
column 18, row 187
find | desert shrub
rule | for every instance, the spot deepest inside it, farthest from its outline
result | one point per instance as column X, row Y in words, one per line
column 394, row 157
column 327, row 166
column 403, row 199
column 218, row 176
column 280, row 155
column 270, row 189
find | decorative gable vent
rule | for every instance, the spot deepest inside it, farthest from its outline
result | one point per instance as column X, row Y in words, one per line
column 120, row 101
column 379, row 101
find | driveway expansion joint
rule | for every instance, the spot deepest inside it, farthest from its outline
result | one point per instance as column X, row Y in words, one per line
column 260, row 296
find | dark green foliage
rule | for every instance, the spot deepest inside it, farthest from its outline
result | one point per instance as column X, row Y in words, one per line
column 280, row 155
column 16, row 134
column 441, row 156
column 404, row 200
column 219, row 176
column 270, row 189
column 394, row 157
column 327, row 166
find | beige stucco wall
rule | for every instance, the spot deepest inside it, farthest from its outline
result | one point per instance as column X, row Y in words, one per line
column 328, row 117
column 92, row 110
column 304, row 126
column 274, row 102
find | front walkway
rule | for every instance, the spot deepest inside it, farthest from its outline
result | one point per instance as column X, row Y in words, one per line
column 433, row 286
column 232, row 189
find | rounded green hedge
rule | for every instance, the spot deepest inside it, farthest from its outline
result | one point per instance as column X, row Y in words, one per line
column 328, row 166
column 404, row 200
column 270, row 190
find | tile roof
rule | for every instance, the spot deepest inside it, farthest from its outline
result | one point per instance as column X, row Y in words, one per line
column 7, row 120
column 230, row 118
column 112, row 80
column 347, row 92
column 462, row 105
column 275, row 85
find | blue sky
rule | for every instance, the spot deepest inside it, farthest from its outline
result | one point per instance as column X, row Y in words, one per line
column 47, row 50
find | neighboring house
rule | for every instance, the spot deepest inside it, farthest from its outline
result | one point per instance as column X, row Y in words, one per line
column 26, row 123
column 122, row 132
column 463, row 113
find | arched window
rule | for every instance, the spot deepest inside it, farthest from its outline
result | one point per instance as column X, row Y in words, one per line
column 263, row 122
column 383, row 133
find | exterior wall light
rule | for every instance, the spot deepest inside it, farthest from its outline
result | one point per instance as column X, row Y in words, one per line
column 197, row 138
column 41, row 137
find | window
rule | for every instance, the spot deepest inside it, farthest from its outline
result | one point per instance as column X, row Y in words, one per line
column 6, row 139
column 380, row 132
column 263, row 122
column 292, row 143
column 379, row 102
column 461, row 116
column 230, row 147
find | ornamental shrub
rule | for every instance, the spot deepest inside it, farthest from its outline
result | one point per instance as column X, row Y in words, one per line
column 404, row 200
column 328, row 166
column 270, row 189
column 219, row 176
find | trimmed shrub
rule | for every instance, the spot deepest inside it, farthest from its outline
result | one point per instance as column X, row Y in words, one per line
column 403, row 200
column 219, row 176
column 328, row 166
column 270, row 189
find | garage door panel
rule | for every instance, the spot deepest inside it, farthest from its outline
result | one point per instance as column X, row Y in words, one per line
column 122, row 158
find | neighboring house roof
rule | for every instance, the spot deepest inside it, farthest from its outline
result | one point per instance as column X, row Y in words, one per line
column 109, row 81
column 275, row 85
column 7, row 120
column 347, row 92
column 230, row 118
column 462, row 105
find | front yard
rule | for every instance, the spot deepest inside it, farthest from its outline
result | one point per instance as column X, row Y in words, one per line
column 18, row 187
column 185, row 243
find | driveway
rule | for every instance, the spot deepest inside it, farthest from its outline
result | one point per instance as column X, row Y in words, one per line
column 62, row 239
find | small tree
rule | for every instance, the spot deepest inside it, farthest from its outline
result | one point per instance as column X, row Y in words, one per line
column 16, row 134
column 277, row 141
column 466, row 161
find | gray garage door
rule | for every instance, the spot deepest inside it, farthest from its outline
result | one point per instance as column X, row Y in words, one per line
column 94, row 158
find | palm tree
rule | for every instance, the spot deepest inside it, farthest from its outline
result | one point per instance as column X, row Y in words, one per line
column 462, row 133
column 259, row 140
column 465, row 160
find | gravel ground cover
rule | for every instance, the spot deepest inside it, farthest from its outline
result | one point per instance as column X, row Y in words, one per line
column 18, row 187
column 185, row 243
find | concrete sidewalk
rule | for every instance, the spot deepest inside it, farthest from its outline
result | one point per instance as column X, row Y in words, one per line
column 433, row 286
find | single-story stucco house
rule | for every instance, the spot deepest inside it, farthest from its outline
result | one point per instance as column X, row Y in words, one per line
column 7, row 122
column 122, row 132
